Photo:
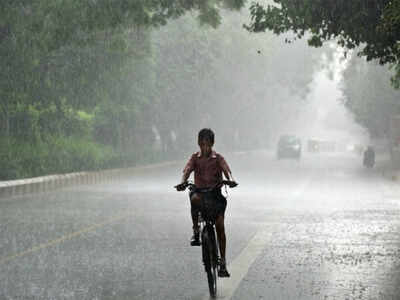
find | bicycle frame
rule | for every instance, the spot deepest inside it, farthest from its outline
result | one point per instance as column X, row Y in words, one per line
column 208, row 237
column 207, row 218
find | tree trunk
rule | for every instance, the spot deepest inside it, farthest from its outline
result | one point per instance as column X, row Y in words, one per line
column 5, row 126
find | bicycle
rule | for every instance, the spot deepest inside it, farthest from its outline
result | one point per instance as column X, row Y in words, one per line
column 209, row 242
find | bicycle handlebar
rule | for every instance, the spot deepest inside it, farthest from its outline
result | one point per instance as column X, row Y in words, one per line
column 182, row 186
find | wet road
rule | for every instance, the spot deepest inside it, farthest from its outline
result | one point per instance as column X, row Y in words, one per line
column 321, row 228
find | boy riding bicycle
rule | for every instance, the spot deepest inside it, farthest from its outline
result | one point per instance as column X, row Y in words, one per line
column 208, row 167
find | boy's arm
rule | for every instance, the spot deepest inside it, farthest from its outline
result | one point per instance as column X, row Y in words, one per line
column 228, row 175
column 188, row 169
column 185, row 177
column 225, row 168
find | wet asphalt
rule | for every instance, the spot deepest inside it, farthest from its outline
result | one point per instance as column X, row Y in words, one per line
column 325, row 228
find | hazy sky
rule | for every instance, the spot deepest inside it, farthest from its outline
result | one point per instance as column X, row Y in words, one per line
column 323, row 115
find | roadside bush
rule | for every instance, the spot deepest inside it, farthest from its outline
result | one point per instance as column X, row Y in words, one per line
column 58, row 155
column 75, row 154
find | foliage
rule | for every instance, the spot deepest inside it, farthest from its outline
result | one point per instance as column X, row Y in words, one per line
column 21, row 159
column 369, row 96
column 223, row 78
column 70, row 68
column 372, row 25
column 58, row 51
column 87, row 85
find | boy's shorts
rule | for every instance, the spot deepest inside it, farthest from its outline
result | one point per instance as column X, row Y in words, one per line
column 220, row 203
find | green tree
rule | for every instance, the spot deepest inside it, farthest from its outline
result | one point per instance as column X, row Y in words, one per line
column 62, row 60
column 369, row 96
column 372, row 25
column 53, row 50
column 226, row 78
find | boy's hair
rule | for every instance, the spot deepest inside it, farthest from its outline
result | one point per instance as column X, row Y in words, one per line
column 206, row 133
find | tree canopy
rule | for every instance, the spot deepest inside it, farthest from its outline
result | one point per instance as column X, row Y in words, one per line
column 372, row 24
column 87, row 86
column 228, row 79
column 76, row 73
column 369, row 96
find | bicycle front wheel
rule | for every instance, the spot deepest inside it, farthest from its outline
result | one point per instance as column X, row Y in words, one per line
column 210, row 260
column 212, row 281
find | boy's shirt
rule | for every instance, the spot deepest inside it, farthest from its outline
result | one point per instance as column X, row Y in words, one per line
column 207, row 170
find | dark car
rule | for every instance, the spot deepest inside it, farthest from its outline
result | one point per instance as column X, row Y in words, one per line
column 289, row 146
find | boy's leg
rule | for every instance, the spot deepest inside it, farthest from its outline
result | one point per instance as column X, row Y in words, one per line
column 195, row 201
column 220, row 226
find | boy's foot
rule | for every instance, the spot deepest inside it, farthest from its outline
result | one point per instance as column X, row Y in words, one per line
column 195, row 240
column 223, row 272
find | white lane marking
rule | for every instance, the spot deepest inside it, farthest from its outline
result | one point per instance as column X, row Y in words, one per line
column 240, row 266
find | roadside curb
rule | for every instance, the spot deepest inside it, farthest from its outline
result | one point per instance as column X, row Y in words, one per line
column 54, row 182
column 58, row 181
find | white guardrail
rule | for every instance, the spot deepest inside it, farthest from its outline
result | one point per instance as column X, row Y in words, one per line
column 53, row 182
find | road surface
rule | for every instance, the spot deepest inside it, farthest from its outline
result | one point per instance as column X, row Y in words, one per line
column 321, row 228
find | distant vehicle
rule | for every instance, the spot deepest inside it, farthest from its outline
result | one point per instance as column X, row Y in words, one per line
column 289, row 146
